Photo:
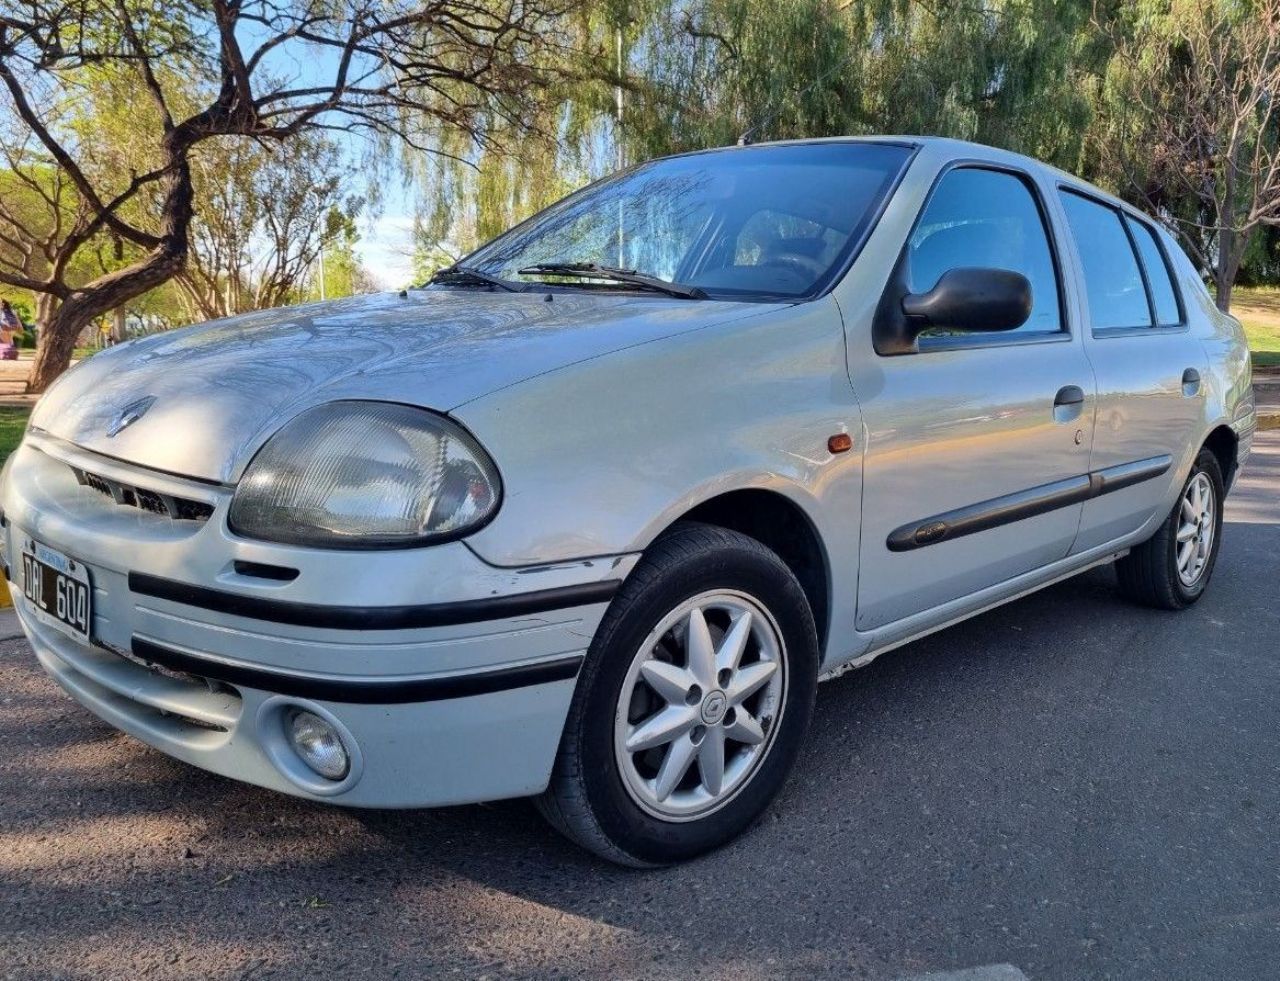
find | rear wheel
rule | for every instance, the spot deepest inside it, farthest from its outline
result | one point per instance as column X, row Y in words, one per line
column 1171, row 570
column 692, row 704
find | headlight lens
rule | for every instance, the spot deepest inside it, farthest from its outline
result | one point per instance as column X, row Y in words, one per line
column 365, row 474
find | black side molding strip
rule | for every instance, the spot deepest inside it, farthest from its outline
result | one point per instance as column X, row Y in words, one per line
column 1127, row 474
column 973, row 518
column 362, row 692
column 1027, row 503
column 373, row 617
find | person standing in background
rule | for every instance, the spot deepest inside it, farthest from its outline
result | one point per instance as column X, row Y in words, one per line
column 10, row 327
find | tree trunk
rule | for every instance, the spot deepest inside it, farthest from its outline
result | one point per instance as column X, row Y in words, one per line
column 1228, row 264
column 61, row 328
column 1223, row 285
column 58, row 336
column 117, row 325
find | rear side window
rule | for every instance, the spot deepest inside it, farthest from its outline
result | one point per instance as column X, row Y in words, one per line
column 988, row 218
column 1157, row 268
column 1112, row 277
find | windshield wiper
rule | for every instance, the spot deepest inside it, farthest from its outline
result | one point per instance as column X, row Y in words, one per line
column 467, row 274
column 591, row 270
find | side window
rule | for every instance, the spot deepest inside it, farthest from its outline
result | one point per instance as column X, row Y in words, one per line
column 1112, row 278
column 1157, row 269
column 986, row 218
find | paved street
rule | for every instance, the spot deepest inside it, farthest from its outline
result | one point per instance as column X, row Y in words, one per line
column 1069, row 787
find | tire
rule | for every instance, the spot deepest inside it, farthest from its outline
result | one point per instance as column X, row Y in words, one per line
column 606, row 798
column 1150, row 574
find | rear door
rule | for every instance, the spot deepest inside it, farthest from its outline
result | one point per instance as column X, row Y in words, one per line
column 984, row 436
column 1149, row 367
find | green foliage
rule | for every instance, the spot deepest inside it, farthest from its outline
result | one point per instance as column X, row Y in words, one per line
column 1014, row 73
column 342, row 272
column 24, row 310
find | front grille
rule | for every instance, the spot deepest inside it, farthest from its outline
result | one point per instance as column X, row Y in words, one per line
column 127, row 495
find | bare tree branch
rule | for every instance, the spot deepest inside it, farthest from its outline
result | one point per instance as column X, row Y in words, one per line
column 400, row 69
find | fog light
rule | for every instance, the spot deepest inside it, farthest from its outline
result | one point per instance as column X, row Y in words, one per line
column 318, row 745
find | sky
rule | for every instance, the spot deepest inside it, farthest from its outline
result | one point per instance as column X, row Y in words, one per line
column 386, row 242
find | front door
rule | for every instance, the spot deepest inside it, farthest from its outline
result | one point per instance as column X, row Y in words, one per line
column 977, row 447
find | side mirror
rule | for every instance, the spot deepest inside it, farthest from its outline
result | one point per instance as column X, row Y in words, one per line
column 963, row 299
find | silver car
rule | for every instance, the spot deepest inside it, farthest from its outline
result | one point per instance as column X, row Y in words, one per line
column 588, row 518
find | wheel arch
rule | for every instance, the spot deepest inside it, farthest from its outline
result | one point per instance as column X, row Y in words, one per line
column 779, row 523
column 1223, row 443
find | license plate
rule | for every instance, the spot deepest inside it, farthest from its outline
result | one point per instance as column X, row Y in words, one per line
column 58, row 589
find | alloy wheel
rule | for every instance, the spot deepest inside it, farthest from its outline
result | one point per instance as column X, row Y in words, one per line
column 1197, row 524
column 699, row 706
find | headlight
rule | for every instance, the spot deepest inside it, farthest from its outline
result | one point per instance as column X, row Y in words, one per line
column 365, row 474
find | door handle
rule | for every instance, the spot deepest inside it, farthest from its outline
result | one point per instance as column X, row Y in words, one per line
column 1068, row 403
column 1190, row 382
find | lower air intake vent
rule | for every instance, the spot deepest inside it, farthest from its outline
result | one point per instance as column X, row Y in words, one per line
column 126, row 495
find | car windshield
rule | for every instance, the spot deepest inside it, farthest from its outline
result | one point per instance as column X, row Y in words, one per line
column 766, row 222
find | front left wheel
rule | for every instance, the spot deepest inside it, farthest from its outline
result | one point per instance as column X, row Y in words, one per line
column 692, row 703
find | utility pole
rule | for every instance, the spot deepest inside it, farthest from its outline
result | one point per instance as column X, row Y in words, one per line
column 619, row 147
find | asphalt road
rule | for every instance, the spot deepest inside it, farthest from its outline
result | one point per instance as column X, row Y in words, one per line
column 1068, row 787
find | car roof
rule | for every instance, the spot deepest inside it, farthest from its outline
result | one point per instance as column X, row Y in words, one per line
column 954, row 148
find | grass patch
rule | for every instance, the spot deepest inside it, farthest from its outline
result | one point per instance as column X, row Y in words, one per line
column 1259, row 310
column 13, row 423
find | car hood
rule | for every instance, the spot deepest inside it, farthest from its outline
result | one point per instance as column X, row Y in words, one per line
column 221, row 388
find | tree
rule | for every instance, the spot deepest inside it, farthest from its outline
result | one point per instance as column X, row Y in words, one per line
column 1192, row 131
column 1016, row 73
column 338, row 271
column 398, row 68
column 473, row 200
column 267, row 212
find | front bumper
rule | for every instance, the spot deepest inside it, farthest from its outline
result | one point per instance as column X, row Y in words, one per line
column 450, row 678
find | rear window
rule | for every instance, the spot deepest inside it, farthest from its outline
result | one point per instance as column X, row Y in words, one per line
column 1157, row 269
column 1112, row 277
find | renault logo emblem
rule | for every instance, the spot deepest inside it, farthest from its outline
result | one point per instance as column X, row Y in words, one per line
column 714, row 707
column 130, row 414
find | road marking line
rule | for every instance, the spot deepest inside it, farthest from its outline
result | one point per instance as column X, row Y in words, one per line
column 991, row 972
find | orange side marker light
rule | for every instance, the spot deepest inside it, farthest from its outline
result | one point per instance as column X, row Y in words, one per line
column 840, row 443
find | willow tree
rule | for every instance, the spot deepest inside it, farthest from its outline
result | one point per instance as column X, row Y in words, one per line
column 702, row 73
column 403, row 69
column 1005, row 72
column 473, row 189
